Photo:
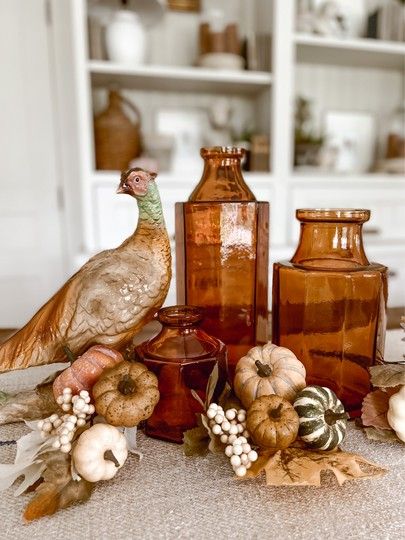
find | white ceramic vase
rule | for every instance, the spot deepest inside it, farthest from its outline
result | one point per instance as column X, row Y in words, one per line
column 126, row 38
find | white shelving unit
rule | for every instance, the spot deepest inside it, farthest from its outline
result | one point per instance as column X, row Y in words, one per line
column 372, row 71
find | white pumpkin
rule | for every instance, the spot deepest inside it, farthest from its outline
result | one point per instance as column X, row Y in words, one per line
column 89, row 453
column 396, row 413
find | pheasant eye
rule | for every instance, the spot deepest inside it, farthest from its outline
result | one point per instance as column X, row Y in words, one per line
column 136, row 178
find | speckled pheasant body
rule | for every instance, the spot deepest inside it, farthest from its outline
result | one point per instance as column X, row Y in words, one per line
column 110, row 298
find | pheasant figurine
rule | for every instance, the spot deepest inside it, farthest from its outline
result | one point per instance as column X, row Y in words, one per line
column 110, row 298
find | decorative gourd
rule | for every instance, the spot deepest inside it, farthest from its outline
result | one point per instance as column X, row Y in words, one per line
column 396, row 413
column 272, row 422
column 99, row 453
column 86, row 370
column 323, row 420
column 268, row 370
column 126, row 394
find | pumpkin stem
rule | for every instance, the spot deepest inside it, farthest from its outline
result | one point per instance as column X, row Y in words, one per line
column 331, row 417
column 108, row 454
column 263, row 370
column 126, row 385
column 275, row 413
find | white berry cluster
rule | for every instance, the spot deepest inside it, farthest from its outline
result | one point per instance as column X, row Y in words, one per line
column 62, row 428
column 230, row 426
column 241, row 455
column 227, row 425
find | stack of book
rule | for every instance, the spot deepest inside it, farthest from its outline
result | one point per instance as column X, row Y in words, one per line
column 388, row 22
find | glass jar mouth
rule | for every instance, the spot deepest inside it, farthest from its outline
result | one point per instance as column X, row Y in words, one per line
column 180, row 315
column 333, row 215
column 222, row 152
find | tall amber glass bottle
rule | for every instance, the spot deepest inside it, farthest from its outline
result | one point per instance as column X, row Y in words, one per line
column 222, row 253
column 329, row 304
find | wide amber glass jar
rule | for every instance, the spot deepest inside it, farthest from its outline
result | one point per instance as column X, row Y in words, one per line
column 222, row 253
column 182, row 356
column 329, row 303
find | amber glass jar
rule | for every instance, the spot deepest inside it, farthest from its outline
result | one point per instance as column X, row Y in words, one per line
column 182, row 356
column 329, row 303
column 222, row 253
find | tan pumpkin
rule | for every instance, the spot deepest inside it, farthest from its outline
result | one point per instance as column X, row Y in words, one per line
column 86, row 370
column 268, row 370
column 272, row 422
column 126, row 394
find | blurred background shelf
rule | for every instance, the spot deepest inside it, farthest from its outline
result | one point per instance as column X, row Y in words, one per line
column 359, row 52
column 175, row 79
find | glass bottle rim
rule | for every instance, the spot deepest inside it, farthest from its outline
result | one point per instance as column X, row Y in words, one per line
column 180, row 315
column 333, row 215
column 222, row 151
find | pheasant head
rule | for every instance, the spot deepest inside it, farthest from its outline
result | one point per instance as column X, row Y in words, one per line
column 141, row 184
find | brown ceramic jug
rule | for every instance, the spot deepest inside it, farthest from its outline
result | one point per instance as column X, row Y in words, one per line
column 117, row 139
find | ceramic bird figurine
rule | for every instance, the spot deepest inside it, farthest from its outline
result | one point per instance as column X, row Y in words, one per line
column 110, row 298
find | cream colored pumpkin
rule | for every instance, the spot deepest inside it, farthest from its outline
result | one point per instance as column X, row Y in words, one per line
column 91, row 453
column 268, row 370
column 396, row 413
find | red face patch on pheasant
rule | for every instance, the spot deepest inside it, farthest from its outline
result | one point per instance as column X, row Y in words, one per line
column 135, row 182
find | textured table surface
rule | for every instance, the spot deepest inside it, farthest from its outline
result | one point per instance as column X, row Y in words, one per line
column 167, row 495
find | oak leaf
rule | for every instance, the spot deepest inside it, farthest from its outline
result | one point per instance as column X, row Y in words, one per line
column 388, row 375
column 374, row 409
column 302, row 467
column 58, row 490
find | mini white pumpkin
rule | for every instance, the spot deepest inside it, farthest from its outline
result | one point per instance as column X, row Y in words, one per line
column 396, row 413
column 89, row 454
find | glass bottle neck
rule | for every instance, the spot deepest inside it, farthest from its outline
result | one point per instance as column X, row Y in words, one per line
column 336, row 245
column 222, row 180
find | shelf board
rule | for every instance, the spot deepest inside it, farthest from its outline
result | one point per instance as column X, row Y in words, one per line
column 324, row 177
column 360, row 52
column 190, row 178
column 178, row 79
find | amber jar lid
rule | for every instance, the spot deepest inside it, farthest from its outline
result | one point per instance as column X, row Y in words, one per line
column 334, row 215
column 182, row 316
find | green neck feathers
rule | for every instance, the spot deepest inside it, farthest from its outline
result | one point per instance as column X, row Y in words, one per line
column 150, row 206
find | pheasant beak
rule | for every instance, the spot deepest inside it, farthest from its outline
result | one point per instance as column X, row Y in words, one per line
column 122, row 188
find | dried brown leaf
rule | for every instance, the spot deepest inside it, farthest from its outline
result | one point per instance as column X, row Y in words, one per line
column 302, row 467
column 58, row 490
column 383, row 435
column 374, row 409
column 388, row 375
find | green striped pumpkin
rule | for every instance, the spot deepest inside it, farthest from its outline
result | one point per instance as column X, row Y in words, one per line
column 323, row 420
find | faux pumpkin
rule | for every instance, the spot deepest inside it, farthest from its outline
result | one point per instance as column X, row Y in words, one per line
column 322, row 417
column 86, row 370
column 126, row 394
column 272, row 422
column 268, row 370
column 396, row 413
column 100, row 452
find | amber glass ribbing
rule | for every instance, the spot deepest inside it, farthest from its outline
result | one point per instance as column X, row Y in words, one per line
column 182, row 356
column 329, row 303
column 222, row 253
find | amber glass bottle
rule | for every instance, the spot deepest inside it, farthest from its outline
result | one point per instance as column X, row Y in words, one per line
column 182, row 356
column 329, row 304
column 222, row 253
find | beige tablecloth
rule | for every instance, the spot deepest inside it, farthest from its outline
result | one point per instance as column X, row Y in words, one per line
column 167, row 495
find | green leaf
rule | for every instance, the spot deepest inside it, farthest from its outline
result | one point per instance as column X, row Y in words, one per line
column 383, row 435
column 195, row 441
column 388, row 375
column 211, row 385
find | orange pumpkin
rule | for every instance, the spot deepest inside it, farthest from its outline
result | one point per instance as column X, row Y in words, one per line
column 86, row 370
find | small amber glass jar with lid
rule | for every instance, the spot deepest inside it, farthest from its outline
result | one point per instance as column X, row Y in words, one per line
column 182, row 356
